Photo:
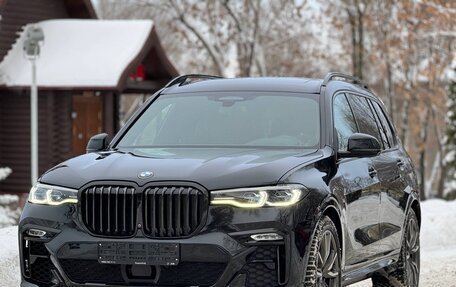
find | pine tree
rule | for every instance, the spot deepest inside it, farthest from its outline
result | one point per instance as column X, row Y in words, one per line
column 451, row 140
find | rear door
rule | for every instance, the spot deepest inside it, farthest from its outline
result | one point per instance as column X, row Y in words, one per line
column 391, row 166
column 360, row 187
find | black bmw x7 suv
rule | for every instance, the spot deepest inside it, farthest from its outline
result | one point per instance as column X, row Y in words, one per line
column 232, row 182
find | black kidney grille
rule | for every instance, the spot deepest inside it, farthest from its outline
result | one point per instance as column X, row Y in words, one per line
column 173, row 211
column 109, row 210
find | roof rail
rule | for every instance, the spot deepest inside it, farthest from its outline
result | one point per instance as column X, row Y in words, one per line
column 330, row 76
column 187, row 79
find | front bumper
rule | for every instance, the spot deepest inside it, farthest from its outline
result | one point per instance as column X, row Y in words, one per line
column 222, row 254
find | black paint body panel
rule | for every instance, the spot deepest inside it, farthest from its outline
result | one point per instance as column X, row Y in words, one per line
column 368, row 211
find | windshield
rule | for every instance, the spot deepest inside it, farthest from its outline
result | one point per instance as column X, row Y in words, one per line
column 228, row 119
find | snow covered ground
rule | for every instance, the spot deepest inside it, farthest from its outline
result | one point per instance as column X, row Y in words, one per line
column 9, row 258
column 438, row 252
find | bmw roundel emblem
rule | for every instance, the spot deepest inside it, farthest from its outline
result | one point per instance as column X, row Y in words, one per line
column 145, row 174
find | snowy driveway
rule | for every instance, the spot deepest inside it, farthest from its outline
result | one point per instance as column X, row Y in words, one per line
column 438, row 252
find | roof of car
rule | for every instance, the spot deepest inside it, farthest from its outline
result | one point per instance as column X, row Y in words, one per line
column 279, row 84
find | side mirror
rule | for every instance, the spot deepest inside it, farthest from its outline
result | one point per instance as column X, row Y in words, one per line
column 97, row 143
column 361, row 145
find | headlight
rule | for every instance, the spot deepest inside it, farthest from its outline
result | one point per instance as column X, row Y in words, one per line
column 52, row 195
column 281, row 195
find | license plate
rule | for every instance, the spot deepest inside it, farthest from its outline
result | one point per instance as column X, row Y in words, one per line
column 138, row 253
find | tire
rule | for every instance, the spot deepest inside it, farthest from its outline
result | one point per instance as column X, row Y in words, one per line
column 407, row 272
column 324, row 263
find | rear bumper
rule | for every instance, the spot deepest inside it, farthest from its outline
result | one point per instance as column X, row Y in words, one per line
column 220, row 255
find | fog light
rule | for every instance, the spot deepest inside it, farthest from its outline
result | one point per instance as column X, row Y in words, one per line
column 266, row 237
column 36, row 232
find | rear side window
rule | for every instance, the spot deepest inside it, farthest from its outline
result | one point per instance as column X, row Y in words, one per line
column 385, row 123
column 364, row 116
column 344, row 121
column 385, row 141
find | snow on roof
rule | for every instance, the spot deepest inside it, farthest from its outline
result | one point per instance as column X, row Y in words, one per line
column 78, row 53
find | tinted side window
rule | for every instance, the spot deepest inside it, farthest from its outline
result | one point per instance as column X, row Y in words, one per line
column 344, row 121
column 364, row 116
column 386, row 124
column 385, row 141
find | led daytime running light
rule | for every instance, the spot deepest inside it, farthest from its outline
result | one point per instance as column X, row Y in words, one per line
column 275, row 196
column 52, row 195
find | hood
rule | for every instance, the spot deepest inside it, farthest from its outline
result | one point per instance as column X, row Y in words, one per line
column 213, row 168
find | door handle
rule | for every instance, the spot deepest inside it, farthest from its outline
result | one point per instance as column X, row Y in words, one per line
column 400, row 163
column 372, row 172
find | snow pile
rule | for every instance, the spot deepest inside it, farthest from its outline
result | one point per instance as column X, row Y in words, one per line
column 9, row 257
column 9, row 210
column 438, row 225
column 9, row 204
column 4, row 172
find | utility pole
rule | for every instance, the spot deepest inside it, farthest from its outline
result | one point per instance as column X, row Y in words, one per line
column 34, row 38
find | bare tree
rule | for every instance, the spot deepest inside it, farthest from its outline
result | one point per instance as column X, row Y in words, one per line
column 403, row 48
column 230, row 38
column 409, row 46
column 384, row 26
column 356, row 11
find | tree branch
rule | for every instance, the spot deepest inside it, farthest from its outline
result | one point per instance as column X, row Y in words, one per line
column 232, row 15
column 210, row 49
column 256, row 11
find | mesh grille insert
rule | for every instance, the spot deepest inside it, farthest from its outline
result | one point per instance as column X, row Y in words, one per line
column 184, row 274
column 261, row 268
column 41, row 271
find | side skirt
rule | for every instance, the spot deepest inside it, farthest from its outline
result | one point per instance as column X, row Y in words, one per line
column 362, row 271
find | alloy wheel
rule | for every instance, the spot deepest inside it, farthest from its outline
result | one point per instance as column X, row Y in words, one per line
column 412, row 253
column 327, row 261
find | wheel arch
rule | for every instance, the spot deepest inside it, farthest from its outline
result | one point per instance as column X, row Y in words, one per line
column 415, row 206
column 330, row 207
column 332, row 212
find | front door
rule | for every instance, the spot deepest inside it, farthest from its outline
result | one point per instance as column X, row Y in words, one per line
column 361, row 188
column 87, row 117
column 362, row 195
